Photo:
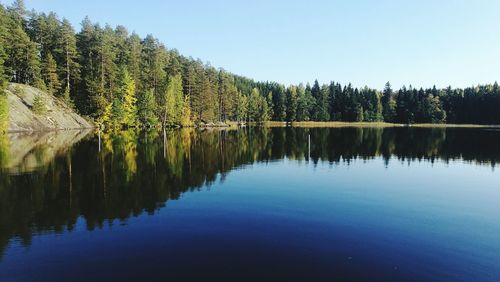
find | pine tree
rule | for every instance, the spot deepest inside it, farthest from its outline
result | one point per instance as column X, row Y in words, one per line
column 257, row 107
column 3, row 54
column 39, row 107
column 70, row 67
column 323, row 103
column 174, row 102
column 203, row 99
column 153, row 68
column 302, row 104
column 108, row 68
column 22, row 62
column 134, row 50
column 270, row 105
column 279, row 101
column 51, row 78
column 18, row 13
column 291, row 103
column 88, row 84
column 241, row 113
column 263, row 111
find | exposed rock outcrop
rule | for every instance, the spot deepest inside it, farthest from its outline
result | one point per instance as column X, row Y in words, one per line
column 56, row 115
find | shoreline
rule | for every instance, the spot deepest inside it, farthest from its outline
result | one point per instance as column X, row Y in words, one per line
column 297, row 124
column 340, row 124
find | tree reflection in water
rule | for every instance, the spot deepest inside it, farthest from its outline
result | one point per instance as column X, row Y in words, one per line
column 49, row 184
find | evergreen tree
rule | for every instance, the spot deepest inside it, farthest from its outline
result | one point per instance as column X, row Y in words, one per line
column 388, row 104
column 51, row 78
column 279, row 101
column 130, row 102
column 253, row 105
column 270, row 105
column 3, row 55
column 118, row 110
column 147, row 108
column 291, row 103
column 174, row 104
column 302, row 104
column 202, row 99
column 316, row 92
column 39, row 106
column 186, row 112
column 257, row 107
column 134, row 57
column 241, row 108
column 323, row 104
column 88, row 90
column 226, row 96
column 70, row 67
column 154, row 62
column 22, row 63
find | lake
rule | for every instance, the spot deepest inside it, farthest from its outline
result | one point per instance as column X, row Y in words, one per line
column 251, row 204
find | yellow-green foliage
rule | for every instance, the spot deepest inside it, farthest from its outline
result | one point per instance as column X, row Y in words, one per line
column 186, row 113
column 4, row 112
column 18, row 90
column 174, row 101
column 129, row 101
column 39, row 107
column 4, row 150
column 105, row 118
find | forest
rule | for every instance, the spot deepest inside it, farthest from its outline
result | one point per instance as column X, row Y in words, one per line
column 119, row 80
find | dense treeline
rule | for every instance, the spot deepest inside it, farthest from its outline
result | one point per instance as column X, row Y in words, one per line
column 120, row 79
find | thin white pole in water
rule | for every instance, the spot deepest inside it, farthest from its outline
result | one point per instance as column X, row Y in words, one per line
column 99, row 135
column 164, row 143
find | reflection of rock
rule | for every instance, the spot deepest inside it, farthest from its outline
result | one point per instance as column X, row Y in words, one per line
column 29, row 151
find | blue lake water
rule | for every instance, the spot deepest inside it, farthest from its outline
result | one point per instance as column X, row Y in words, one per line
column 271, row 204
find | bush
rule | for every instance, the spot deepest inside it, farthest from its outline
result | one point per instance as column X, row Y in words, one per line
column 39, row 107
column 4, row 113
column 18, row 90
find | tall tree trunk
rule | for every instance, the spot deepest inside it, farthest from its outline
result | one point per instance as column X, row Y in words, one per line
column 67, row 65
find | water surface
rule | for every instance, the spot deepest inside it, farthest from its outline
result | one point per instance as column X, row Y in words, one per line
column 256, row 204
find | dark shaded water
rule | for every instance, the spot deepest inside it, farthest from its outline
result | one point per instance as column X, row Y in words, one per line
column 272, row 204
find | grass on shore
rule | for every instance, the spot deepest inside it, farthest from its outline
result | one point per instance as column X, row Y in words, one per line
column 370, row 124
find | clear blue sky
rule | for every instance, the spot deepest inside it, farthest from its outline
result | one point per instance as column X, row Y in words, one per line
column 420, row 42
